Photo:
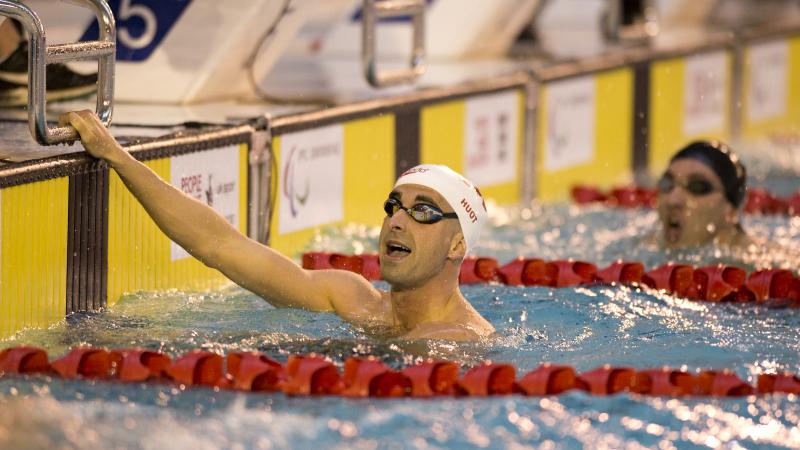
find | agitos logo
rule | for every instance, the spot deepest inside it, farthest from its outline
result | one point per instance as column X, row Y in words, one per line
column 296, row 199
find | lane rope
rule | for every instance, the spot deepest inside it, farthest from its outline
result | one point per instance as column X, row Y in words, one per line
column 758, row 200
column 311, row 375
column 714, row 283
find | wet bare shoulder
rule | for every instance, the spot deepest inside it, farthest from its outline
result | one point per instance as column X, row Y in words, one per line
column 354, row 298
column 475, row 321
column 443, row 330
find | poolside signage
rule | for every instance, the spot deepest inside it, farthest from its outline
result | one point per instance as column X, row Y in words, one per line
column 311, row 178
column 212, row 177
column 704, row 93
column 570, row 121
column 490, row 138
column 766, row 91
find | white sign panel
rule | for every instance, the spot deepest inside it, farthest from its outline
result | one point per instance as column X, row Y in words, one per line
column 766, row 94
column 490, row 138
column 705, row 93
column 311, row 178
column 570, row 123
column 213, row 178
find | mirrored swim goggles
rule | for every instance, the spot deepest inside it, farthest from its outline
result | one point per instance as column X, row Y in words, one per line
column 421, row 212
column 695, row 186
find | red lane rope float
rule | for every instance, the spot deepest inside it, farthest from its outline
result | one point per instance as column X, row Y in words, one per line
column 772, row 283
column 607, row 380
column 198, row 367
column 717, row 283
column 721, row 283
column 366, row 265
column 786, row 383
column 488, row 379
column 86, row 362
column 674, row 278
column 475, row 270
column 758, row 200
column 537, row 272
column 251, row 371
column 665, row 382
column 622, row 197
column 548, row 379
column 370, row 377
column 310, row 375
column 624, row 272
column 24, row 360
column 722, row 384
column 432, row 378
column 140, row 365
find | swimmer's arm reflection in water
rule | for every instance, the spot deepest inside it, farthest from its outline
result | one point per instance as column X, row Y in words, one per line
column 424, row 303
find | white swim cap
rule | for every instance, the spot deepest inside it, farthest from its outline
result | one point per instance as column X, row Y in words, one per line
column 465, row 199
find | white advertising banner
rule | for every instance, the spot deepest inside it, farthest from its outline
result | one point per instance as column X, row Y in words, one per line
column 491, row 138
column 766, row 94
column 570, row 123
column 705, row 93
column 311, row 178
column 213, row 178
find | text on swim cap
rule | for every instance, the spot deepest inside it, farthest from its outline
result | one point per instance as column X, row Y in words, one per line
column 414, row 170
column 473, row 217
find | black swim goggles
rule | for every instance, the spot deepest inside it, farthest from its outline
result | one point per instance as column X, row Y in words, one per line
column 698, row 187
column 421, row 212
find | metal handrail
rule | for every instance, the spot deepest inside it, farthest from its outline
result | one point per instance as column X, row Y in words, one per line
column 39, row 55
column 373, row 11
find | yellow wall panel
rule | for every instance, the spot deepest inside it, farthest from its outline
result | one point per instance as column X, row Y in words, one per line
column 33, row 255
column 666, row 134
column 790, row 120
column 442, row 137
column 139, row 253
column 442, row 134
column 666, row 112
column 613, row 133
column 368, row 166
column 793, row 101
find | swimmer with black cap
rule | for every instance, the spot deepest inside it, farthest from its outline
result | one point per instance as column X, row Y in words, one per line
column 700, row 197
column 433, row 218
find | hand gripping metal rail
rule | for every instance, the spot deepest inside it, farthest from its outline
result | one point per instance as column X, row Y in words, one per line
column 374, row 10
column 40, row 54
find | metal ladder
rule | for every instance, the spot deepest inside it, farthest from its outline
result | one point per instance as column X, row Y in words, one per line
column 40, row 54
column 373, row 11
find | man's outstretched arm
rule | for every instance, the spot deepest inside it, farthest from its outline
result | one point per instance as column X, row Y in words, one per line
column 210, row 238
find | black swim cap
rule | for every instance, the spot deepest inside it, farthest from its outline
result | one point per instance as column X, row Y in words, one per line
column 723, row 162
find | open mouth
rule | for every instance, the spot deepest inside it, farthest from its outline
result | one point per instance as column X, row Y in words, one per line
column 672, row 230
column 395, row 249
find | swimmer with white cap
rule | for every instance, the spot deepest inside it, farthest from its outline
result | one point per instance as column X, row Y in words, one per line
column 433, row 218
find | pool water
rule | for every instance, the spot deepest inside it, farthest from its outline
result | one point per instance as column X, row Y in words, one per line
column 583, row 327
